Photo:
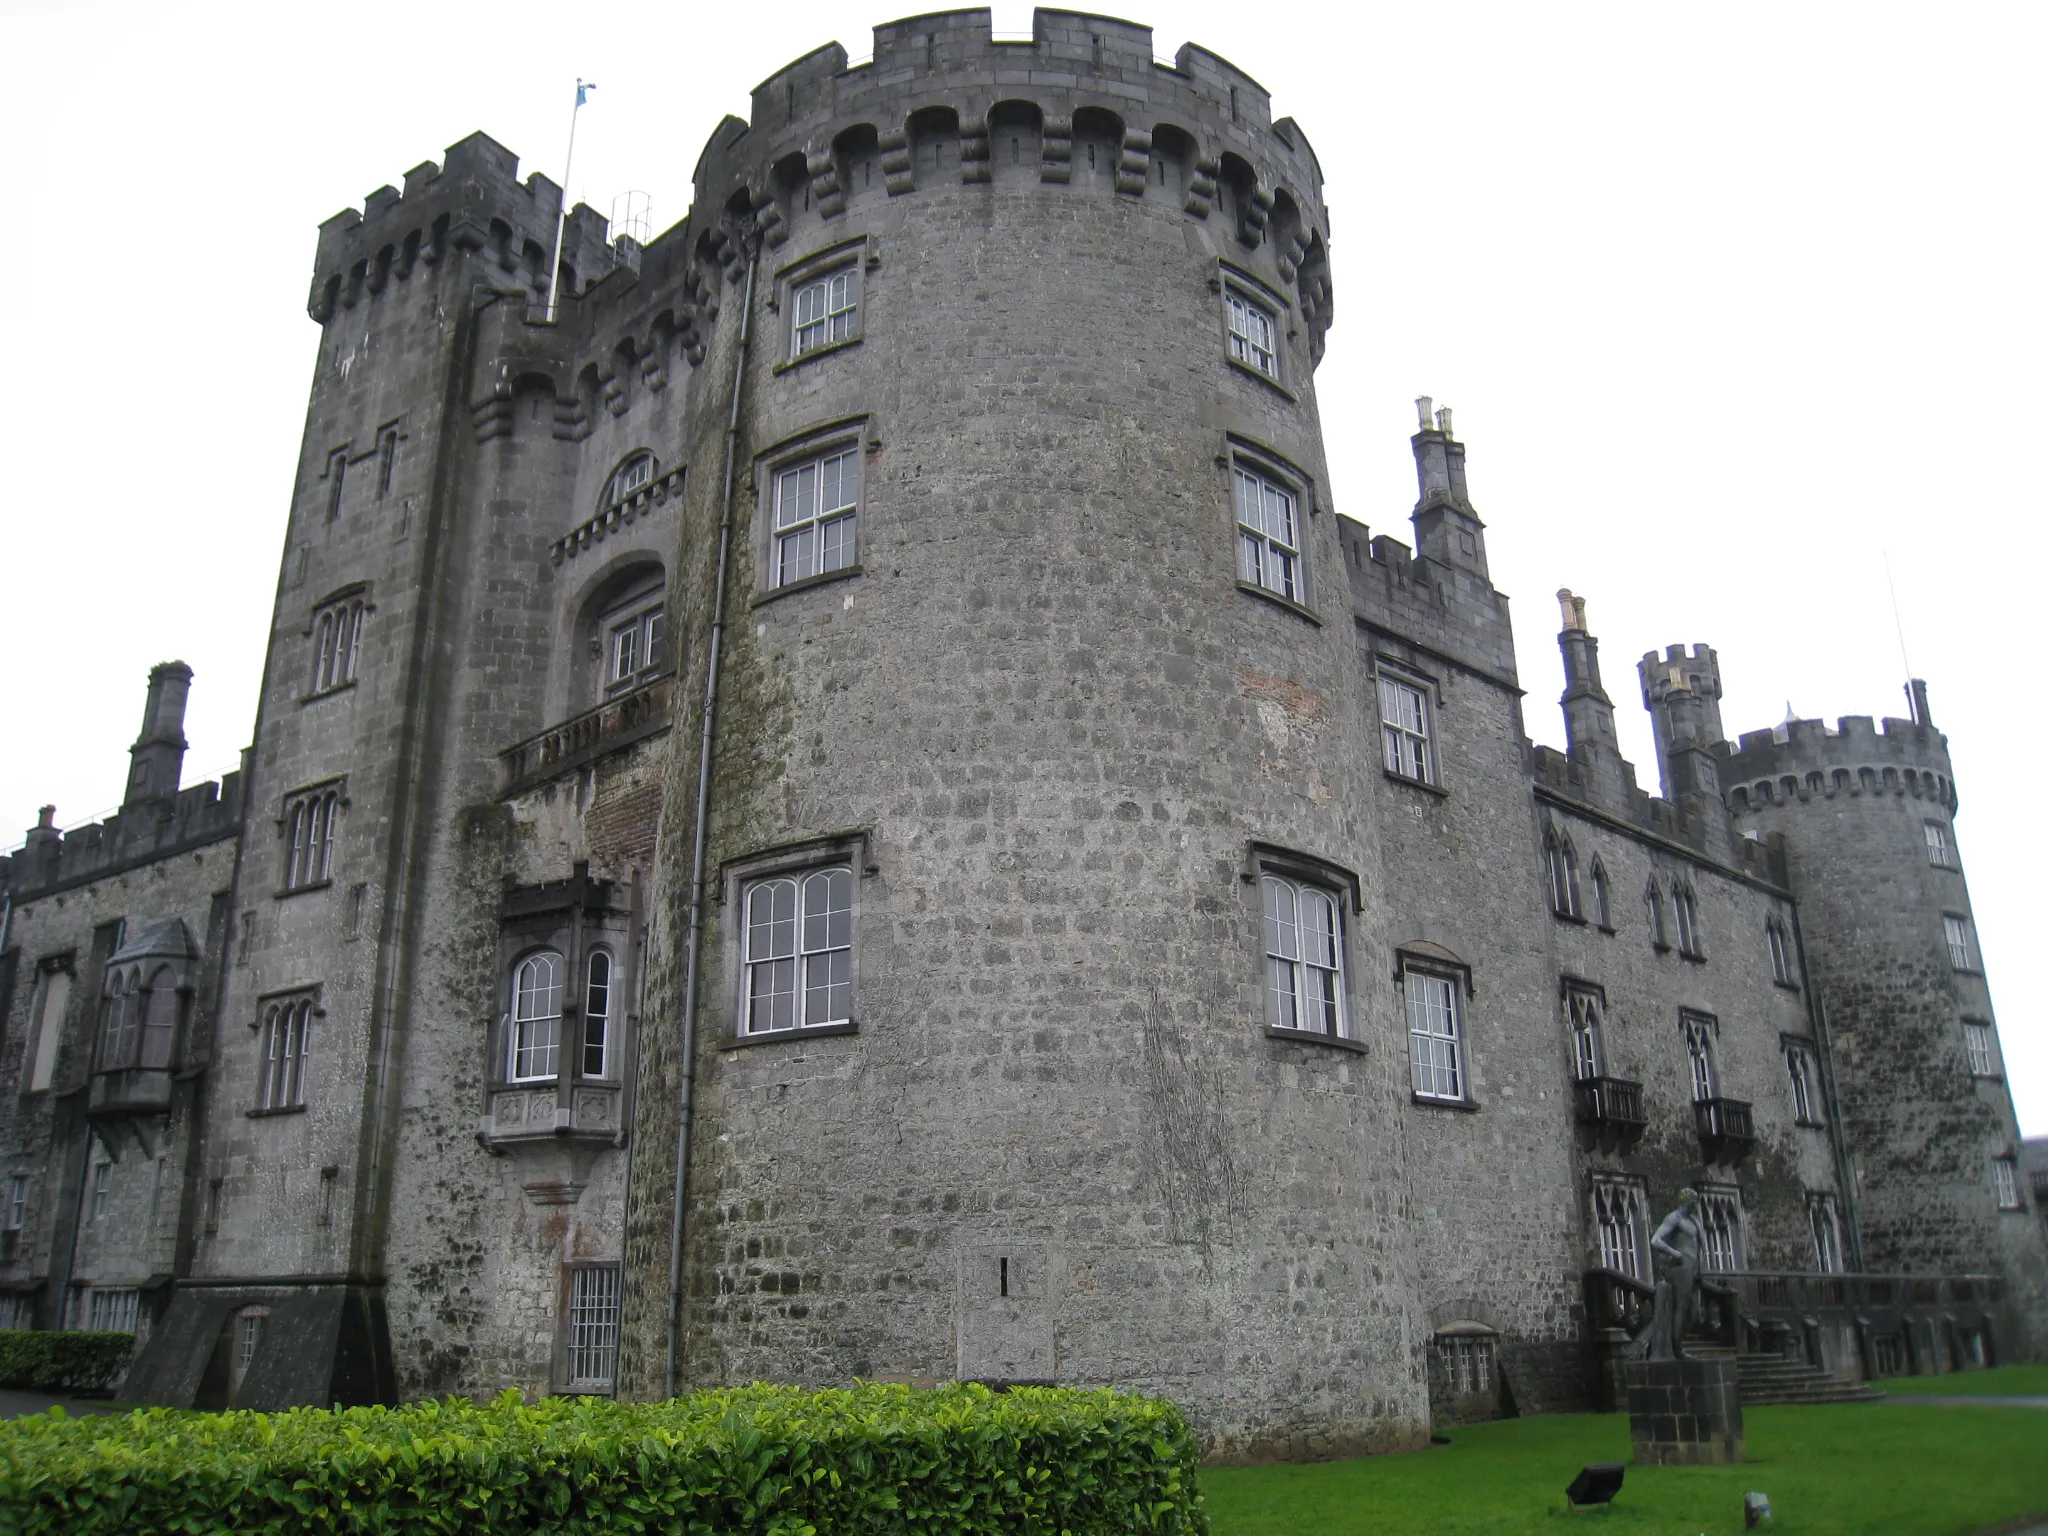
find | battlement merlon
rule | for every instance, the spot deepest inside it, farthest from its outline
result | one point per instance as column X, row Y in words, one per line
column 51, row 861
column 1802, row 759
column 952, row 59
column 473, row 202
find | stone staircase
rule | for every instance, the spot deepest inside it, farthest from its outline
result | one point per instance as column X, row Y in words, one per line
column 1774, row 1379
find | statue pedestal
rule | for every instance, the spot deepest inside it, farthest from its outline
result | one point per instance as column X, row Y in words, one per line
column 1683, row 1413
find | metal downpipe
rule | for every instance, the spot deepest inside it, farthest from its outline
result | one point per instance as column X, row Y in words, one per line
column 700, row 840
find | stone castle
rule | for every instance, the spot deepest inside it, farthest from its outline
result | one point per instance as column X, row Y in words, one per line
column 845, row 804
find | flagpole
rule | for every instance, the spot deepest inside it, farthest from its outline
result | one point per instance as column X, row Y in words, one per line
column 562, row 213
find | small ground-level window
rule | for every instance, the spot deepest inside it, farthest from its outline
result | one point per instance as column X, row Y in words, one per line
column 114, row 1309
column 1304, row 957
column 2005, row 1178
column 248, row 1337
column 536, row 1017
column 1268, row 535
column 1436, row 1046
column 593, row 1343
column 798, row 950
column 1468, row 1362
column 1981, row 1041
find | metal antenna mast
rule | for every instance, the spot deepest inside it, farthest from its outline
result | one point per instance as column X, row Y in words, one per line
column 583, row 89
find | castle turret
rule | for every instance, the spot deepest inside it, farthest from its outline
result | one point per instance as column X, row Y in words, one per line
column 1683, row 695
column 1588, row 712
column 1900, row 990
column 158, row 756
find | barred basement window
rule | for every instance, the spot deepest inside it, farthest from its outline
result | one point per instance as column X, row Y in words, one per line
column 536, row 1017
column 799, row 951
column 1940, row 853
column 815, row 509
column 1436, row 1046
column 1720, row 1217
column 1822, row 1217
column 1251, row 334
column 1304, row 958
column 114, row 1309
column 1962, row 942
column 1799, row 1067
column 337, row 642
column 287, row 1026
column 1981, row 1041
column 824, row 311
column 1618, row 1219
column 2005, row 1178
column 1268, row 537
column 311, row 820
column 593, row 1327
column 597, row 1015
column 1404, row 729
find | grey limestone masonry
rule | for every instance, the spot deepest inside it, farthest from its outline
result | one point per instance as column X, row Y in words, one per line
column 1044, row 668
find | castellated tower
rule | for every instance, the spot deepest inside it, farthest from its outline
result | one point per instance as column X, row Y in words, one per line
column 1073, row 685
column 1867, row 817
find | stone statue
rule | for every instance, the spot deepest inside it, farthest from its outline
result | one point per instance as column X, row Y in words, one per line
column 1675, row 1251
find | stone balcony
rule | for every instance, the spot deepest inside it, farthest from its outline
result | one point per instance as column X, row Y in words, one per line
column 1726, row 1128
column 555, row 1131
column 617, row 723
column 1611, row 1108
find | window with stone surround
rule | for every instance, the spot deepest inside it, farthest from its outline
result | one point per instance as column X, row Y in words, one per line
column 1685, row 906
column 1980, row 1040
column 2005, row 1180
column 1653, row 902
column 1961, row 935
column 1467, row 1361
column 1700, row 1031
column 815, row 506
column 797, row 950
column 632, row 632
column 824, row 310
column 1304, row 936
column 636, row 472
column 1561, row 869
column 311, row 820
column 1254, row 337
column 1778, row 940
column 285, row 1026
column 1268, row 534
column 1583, row 1005
column 1941, row 852
column 536, row 1034
column 46, row 1030
column 1618, row 1222
column 337, row 641
column 597, row 1014
column 1405, row 728
column 139, row 1018
column 1603, row 912
column 1720, row 1217
column 13, row 1214
column 1436, row 1033
column 1801, row 1069
column 114, row 1309
column 1826, row 1223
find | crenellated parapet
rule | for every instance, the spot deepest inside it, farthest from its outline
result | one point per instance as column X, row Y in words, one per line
column 472, row 205
column 1803, row 760
column 1579, row 782
column 50, row 861
column 944, row 102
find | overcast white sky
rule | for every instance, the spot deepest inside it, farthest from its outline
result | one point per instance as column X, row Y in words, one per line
column 1730, row 301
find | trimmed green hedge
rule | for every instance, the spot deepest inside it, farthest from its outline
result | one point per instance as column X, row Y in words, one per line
column 49, row 1360
column 749, row 1461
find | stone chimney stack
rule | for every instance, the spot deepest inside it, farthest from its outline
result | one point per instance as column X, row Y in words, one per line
column 1588, row 712
column 158, row 756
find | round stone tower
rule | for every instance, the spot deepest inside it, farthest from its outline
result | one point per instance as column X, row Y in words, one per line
column 1039, row 760
column 1891, row 951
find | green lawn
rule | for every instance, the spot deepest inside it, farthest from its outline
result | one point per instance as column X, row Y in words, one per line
column 1857, row 1469
column 1999, row 1381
